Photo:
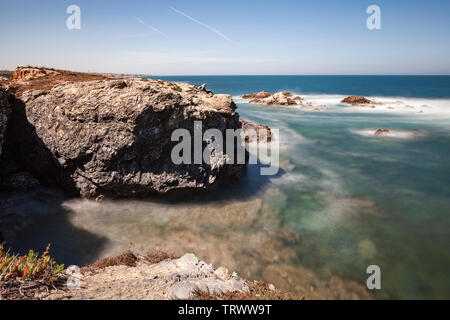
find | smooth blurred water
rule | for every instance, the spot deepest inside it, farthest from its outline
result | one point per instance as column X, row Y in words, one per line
column 352, row 199
column 406, row 231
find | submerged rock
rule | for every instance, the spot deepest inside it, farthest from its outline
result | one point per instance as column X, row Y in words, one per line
column 113, row 137
column 356, row 100
column 382, row 132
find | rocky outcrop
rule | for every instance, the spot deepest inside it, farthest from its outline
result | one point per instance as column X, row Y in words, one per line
column 277, row 99
column 31, row 73
column 5, row 111
column 257, row 95
column 113, row 137
column 357, row 101
column 252, row 132
column 3, row 79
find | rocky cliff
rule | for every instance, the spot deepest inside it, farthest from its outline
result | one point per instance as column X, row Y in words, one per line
column 5, row 111
column 113, row 137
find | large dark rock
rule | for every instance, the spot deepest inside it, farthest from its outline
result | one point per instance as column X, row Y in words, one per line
column 113, row 137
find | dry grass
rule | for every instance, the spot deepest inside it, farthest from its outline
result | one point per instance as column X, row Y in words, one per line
column 155, row 257
column 258, row 291
column 126, row 259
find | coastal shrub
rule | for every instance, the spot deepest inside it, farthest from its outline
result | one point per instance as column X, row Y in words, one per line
column 30, row 266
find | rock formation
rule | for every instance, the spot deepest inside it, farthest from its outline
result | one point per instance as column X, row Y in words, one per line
column 278, row 99
column 113, row 137
column 260, row 132
column 257, row 95
column 3, row 79
column 356, row 101
column 32, row 73
column 4, row 113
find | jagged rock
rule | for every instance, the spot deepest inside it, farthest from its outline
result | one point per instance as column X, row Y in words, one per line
column 260, row 132
column 114, row 137
column 278, row 99
column 4, row 79
column 203, row 88
column 355, row 100
column 5, row 111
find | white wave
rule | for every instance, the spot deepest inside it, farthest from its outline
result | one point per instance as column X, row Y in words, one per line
column 397, row 134
column 421, row 106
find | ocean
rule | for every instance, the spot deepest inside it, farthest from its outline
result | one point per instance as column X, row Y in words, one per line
column 342, row 201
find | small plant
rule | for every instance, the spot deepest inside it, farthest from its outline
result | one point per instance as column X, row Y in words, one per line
column 29, row 266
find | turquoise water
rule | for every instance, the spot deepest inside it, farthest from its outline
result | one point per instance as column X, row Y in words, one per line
column 343, row 199
column 404, row 225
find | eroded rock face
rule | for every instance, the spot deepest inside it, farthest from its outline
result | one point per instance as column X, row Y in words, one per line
column 356, row 101
column 5, row 111
column 114, row 137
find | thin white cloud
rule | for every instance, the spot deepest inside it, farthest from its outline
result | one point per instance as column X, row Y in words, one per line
column 150, row 27
column 220, row 34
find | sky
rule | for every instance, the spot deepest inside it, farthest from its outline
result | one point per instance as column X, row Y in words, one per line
column 244, row 37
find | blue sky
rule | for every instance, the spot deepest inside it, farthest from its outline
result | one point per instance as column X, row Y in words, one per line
column 208, row 37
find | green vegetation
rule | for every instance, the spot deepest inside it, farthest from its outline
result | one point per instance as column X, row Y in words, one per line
column 29, row 266
column 5, row 73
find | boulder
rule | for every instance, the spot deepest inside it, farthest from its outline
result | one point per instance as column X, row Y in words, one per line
column 356, row 100
column 113, row 137
column 5, row 111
